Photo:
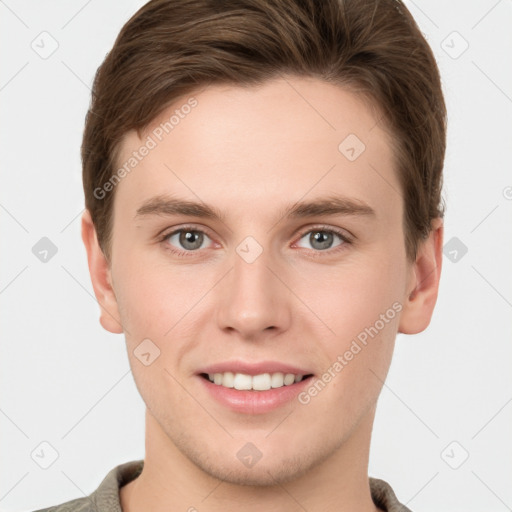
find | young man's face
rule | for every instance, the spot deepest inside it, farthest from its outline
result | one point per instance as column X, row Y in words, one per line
column 260, row 291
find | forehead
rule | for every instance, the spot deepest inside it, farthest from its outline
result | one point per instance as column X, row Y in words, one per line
column 285, row 139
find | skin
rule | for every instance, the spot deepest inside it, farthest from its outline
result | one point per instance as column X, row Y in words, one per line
column 252, row 152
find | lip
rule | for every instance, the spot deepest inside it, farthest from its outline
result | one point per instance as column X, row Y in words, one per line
column 249, row 401
column 254, row 368
column 254, row 402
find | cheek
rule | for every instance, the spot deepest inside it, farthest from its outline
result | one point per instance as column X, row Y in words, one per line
column 160, row 301
column 361, row 306
column 143, row 302
column 364, row 317
column 351, row 296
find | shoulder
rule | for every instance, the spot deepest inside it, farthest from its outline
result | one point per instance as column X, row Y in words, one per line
column 384, row 497
column 106, row 497
column 76, row 505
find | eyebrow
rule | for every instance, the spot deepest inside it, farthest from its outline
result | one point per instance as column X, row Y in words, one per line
column 164, row 205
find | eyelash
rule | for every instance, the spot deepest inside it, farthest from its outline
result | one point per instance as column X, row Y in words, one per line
column 322, row 229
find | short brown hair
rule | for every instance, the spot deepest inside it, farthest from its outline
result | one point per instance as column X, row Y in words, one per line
column 372, row 48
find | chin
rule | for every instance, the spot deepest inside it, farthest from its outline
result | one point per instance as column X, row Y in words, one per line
column 273, row 469
column 261, row 475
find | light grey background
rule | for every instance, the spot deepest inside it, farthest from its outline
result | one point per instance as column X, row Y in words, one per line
column 65, row 381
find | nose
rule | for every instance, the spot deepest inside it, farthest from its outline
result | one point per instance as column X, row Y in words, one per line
column 253, row 301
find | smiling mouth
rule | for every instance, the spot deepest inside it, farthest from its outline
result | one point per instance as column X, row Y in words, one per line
column 261, row 382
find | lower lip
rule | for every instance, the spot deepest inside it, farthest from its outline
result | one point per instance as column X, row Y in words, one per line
column 254, row 402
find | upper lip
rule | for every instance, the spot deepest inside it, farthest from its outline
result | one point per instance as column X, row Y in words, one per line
column 254, row 368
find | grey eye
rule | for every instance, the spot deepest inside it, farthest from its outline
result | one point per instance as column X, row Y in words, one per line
column 321, row 239
column 188, row 239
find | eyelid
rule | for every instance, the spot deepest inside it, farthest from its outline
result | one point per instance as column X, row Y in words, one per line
column 164, row 233
column 345, row 235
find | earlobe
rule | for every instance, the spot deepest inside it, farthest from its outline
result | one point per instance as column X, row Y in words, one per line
column 421, row 297
column 99, row 270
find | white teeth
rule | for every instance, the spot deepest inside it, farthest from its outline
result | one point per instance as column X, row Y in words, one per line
column 289, row 378
column 261, row 382
column 277, row 380
column 227, row 379
column 243, row 381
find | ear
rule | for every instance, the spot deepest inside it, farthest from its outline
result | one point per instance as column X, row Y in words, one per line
column 101, row 278
column 423, row 284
